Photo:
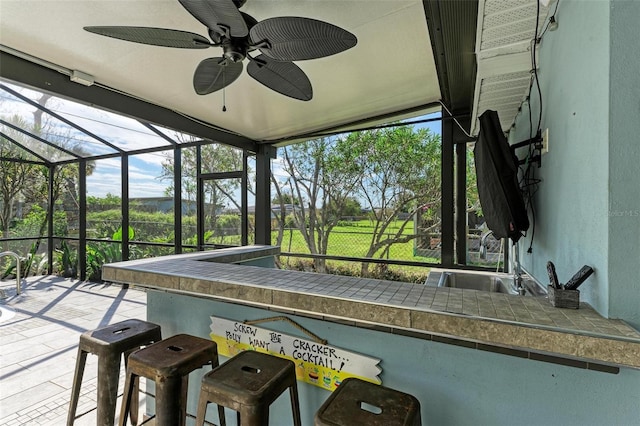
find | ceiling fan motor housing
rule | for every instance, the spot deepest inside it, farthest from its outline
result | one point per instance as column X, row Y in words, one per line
column 235, row 49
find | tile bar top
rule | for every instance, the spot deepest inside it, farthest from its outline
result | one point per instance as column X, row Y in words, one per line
column 509, row 321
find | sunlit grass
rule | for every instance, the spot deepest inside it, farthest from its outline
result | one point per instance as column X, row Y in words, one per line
column 354, row 240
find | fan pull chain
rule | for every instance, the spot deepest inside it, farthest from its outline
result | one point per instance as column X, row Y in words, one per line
column 224, row 98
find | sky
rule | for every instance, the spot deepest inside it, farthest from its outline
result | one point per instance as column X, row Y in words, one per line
column 123, row 132
column 120, row 131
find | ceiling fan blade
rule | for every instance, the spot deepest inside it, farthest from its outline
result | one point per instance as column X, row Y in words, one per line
column 295, row 39
column 154, row 36
column 283, row 77
column 221, row 16
column 213, row 74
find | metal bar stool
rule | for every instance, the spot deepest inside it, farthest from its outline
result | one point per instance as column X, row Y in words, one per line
column 169, row 363
column 357, row 402
column 109, row 344
column 249, row 383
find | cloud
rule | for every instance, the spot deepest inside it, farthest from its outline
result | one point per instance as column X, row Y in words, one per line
column 141, row 189
column 143, row 181
column 138, row 187
column 108, row 164
column 123, row 132
column 153, row 158
column 101, row 188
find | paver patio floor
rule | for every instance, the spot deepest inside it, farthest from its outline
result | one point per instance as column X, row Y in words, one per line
column 39, row 333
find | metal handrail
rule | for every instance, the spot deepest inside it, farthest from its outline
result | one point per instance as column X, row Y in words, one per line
column 10, row 253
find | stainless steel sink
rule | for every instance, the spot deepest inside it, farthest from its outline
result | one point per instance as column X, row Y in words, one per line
column 483, row 281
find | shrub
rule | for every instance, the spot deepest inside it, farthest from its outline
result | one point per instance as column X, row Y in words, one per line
column 227, row 224
column 36, row 220
column 352, row 269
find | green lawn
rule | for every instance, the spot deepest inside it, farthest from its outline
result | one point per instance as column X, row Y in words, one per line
column 353, row 241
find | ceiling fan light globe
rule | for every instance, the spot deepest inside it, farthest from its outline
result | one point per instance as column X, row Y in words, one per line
column 234, row 56
column 234, row 50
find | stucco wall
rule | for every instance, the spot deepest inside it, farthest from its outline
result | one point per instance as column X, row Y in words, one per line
column 455, row 385
column 588, row 204
column 624, row 162
column 572, row 203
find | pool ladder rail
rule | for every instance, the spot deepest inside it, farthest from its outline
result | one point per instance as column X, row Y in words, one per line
column 10, row 253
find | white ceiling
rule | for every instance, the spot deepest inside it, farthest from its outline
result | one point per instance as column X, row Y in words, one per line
column 390, row 69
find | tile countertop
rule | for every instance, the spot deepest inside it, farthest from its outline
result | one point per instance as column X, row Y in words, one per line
column 508, row 321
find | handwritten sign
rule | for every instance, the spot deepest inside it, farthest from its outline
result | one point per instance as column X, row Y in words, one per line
column 320, row 365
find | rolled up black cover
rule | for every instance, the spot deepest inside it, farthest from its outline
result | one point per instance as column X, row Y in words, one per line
column 497, row 175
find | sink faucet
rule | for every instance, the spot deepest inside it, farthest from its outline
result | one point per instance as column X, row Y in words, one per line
column 517, row 270
column 483, row 245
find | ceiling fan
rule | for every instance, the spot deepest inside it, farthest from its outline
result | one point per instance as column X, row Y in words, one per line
column 280, row 41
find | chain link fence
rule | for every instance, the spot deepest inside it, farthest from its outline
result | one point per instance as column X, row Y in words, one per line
column 409, row 248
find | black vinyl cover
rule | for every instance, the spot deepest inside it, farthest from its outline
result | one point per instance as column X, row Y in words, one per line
column 497, row 175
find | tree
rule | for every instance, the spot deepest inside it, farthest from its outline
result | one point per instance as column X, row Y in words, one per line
column 320, row 183
column 30, row 181
column 473, row 200
column 352, row 207
column 399, row 172
column 65, row 177
column 394, row 171
column 279, row 208
column 280, row 211
column 215, row 157
column 99, row 204
column 285, row 198
column 14, row 174
column 27, row 181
